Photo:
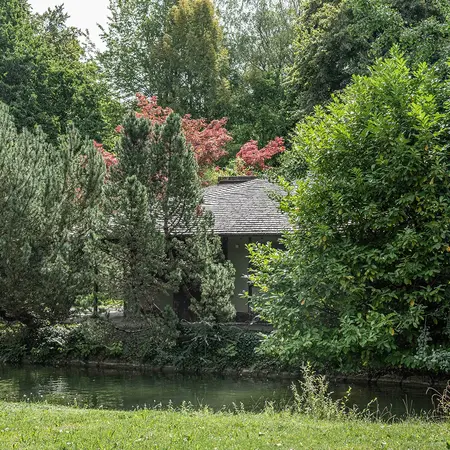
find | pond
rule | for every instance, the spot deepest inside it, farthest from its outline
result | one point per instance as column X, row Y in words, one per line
column 129, row 390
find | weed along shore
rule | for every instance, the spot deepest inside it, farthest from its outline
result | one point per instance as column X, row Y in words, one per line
column 37, row 426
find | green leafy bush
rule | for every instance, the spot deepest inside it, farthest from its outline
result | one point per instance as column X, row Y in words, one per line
column 12, row 343
column 216, row 346
column 368, row 262
column 50, row 343
column 434, row 359
column 93, row 338
column 150, row 340
column 157, row 340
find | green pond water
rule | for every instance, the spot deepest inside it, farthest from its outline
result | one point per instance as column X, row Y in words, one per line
column 130, row 390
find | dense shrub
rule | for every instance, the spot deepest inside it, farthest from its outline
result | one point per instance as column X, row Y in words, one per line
column 93, row 338
column 12, row 343
column 366, row 268
column 50, row 342
column 151, row 340
column 216, row 346
column 155, row 340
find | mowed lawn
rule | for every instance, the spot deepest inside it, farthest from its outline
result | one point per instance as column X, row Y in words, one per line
column 38, row 426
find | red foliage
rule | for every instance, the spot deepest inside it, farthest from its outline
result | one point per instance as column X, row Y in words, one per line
column 151, row 110
column 208, row 139
column 109, row 158
column 199, row 210
column 254, row 158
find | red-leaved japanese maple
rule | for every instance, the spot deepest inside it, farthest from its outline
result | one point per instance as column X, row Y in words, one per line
column 254, row 158
column 109, row 158
column 208, row 139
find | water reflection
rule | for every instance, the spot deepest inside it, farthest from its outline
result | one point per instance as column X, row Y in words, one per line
column 129, row 390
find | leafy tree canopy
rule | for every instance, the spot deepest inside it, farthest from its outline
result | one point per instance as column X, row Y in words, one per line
column 336, row 39
column 363, row 280
column 172, row 50
column 47, row 78
column 205, row 62
column 259, row 35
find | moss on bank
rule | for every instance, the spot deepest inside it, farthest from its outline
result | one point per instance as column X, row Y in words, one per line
column 29, row 426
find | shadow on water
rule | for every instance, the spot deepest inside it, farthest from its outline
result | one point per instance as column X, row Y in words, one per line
column 130, row 390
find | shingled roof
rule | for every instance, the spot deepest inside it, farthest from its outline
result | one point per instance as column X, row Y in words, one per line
column 243, row 206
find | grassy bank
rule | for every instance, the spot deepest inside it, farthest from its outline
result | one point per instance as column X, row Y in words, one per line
column 29, row 426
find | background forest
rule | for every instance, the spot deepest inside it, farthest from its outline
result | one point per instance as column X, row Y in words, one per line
column 103, row 155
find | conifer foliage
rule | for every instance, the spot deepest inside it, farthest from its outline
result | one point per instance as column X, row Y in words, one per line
column 49, row 198
column 208, row 139
column 160, row 232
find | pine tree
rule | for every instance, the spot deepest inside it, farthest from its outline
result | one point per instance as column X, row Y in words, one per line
column 49, row 198
column 209, row 274
column 135, row 240
column 163, row 236
column 175, row 189
column 194, row 254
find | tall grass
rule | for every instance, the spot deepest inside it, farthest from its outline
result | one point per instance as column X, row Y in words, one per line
column 314, row 399
column 441, row 401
